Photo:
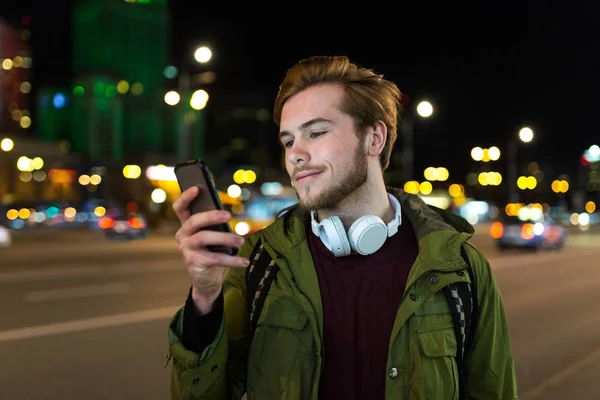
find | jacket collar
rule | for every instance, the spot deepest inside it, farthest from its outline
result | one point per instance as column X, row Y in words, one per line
column 440, row 234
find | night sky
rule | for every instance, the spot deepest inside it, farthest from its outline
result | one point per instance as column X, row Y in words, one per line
column 488, row 69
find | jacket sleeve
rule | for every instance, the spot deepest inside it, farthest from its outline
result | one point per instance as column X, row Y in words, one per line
column 219, row 371
column 489, row 365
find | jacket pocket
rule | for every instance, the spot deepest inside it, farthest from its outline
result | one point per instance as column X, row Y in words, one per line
column 281, row 359
column 435, row 373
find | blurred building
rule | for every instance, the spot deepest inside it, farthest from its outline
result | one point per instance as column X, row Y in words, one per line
column 114, row 104
column 15, row 82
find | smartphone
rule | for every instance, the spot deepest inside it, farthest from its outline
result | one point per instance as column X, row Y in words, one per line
column 196, row 173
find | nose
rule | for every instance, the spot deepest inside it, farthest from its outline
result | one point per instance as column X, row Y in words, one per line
column 298, row 154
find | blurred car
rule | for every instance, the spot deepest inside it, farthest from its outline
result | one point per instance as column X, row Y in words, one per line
column 530, row 229
column 5, row 236
column 124, row 227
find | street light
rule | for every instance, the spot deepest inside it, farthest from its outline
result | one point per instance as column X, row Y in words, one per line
column 525, row 136
column 172, row 98
column 199, row 99
column 7, row 144
column 424, row 110
column 203, row 54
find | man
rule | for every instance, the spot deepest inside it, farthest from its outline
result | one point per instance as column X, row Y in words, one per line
column 356, row 310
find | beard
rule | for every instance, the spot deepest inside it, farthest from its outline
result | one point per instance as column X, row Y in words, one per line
column 335, row 192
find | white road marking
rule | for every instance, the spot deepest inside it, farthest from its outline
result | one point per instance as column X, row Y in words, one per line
column 77, row 292
column 87, row 324
column 40, row 275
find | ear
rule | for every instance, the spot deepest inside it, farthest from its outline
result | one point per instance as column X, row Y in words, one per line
column 377, row 138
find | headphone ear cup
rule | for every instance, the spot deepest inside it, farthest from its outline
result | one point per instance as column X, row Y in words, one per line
column 333, row 236
column 367, row 234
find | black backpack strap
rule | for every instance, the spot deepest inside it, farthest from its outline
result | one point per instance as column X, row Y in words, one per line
column 461, row 298
column 259, row 276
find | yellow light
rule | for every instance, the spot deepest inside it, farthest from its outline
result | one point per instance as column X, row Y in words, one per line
column 95, row 179
column 24, row 213
column 132, row 171
column 7, row 64
column 123, row 87
column 37, row 163
column 486, row 155
column 483, row 179
column 12, row 214
column 460, row 200
column 556, row 186
column 477, row 154
column 564, row 186
column 7, row 144
column 522, row 182
column 495, row 178
column 511, row 210
column 442, row 174
column 250, row 176
column 24, row 164
column 426, row 188
column 494, row 153
column 590, row 207
column 70, row 212
column 411, row 187
column 172, row 98
column 239, row 176
column 455, row 190
column 430, row 174
column 99, row 211
column 84, row 180
column 199, row 99
column 25, row 122
column 531, row 182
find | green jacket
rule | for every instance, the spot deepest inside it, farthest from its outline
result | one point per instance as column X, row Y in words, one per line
column 285, row 358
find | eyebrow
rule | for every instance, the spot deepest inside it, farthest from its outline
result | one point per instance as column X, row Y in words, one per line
column 307, row 124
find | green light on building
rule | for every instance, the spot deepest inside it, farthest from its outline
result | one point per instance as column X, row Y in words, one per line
column 78, row 91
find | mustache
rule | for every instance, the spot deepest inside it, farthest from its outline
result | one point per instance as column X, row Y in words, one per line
column 297, row 170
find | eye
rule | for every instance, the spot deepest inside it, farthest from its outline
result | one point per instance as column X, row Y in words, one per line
column 288, row 144
column 317, row 134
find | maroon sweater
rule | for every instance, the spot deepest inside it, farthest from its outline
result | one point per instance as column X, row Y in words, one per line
column 361, row 295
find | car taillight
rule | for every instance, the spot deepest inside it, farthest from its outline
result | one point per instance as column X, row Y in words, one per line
column 106, row 222
column 527, row 231
column 497, row 230
column 136, row 223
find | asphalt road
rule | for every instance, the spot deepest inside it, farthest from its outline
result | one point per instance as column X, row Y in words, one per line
column 83, row 318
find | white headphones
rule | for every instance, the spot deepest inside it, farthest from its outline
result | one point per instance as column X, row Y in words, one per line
column 366, row 235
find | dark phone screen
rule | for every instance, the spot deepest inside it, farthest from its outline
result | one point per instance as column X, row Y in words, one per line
column 196, row 173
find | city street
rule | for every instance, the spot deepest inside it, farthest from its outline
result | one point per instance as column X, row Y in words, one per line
column 85, row 318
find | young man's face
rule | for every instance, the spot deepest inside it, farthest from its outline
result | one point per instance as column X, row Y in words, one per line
column 324, row 157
